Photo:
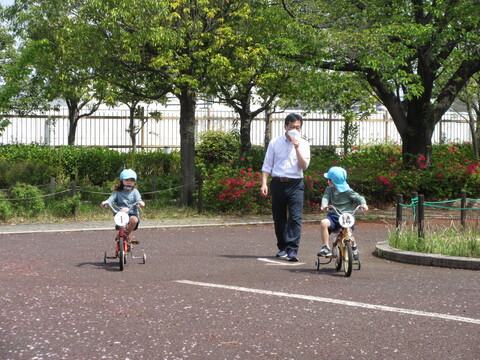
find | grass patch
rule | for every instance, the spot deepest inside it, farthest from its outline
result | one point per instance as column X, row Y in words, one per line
column 451, row 241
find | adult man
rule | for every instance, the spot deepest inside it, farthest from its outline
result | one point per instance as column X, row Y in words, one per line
column 285, row 160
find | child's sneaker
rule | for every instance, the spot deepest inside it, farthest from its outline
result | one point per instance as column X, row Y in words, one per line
column 356, row 254
column 325, row 251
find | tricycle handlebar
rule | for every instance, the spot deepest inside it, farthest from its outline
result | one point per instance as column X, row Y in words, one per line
column 116, row 211
column 336, row 211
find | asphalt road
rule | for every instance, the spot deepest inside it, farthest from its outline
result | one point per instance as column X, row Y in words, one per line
column 219, row 293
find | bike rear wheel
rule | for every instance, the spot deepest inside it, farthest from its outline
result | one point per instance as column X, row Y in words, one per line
column 338, row 257
column 348, row 259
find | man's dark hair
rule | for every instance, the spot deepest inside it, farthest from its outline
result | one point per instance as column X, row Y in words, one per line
column 292, row 118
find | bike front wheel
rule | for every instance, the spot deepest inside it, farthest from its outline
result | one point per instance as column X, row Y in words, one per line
column 347, row 259
column 121, row 253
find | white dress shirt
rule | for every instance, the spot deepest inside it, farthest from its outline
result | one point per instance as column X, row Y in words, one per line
column 281, row 158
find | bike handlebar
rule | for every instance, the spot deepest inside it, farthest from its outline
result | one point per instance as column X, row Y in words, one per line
column 336, row 211
column 136, row 204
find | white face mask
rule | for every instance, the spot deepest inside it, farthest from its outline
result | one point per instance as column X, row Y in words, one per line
column 293, row 134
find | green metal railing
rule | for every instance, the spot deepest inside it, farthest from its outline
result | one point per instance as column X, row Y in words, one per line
column 418, row 205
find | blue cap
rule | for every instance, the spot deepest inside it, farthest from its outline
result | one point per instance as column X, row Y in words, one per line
column 128, row 174
column 339, row 177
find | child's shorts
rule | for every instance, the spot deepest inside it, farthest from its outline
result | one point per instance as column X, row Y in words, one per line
column 334, row 224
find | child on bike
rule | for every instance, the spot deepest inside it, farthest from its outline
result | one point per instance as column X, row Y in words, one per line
column 124, row 196
column 339, row 194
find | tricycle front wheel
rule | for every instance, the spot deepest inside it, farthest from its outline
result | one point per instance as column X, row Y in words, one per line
column 348, row 259
column 121, row 254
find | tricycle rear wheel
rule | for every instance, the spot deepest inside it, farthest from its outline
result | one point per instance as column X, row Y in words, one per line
column 338, row 257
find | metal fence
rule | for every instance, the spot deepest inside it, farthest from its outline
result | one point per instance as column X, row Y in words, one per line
column 108, row 128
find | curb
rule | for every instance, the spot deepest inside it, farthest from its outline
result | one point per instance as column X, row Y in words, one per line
column 63, row 228
column 385, row 251
column 25, row 230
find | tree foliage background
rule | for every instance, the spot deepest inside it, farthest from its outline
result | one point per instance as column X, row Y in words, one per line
column 413, row 56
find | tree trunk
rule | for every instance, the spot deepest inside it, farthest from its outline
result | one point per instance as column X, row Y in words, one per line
column 74, row 107
column 268, row 122
column 73, row 117
column 131, row 128
column 416, row 134
column 187, row 145
column 476, row 137
column 474, row 123
column 345, row 131
column 245, row 128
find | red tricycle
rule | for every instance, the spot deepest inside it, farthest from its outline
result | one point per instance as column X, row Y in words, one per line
column 124, row 241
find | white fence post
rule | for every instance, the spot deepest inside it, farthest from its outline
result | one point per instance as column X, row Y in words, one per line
column 108, row 128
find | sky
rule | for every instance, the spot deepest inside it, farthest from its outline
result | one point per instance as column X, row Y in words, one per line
column 6, row 2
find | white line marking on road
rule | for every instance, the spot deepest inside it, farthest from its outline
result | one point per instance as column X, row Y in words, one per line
column 279, row 262
column 336, row 301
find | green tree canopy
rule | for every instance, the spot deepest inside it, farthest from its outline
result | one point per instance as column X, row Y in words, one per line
column 172, row 44
column 248, row 76
column 59, row 62
column 416, row 55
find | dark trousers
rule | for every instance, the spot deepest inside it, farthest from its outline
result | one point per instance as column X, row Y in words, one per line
column 287, row 210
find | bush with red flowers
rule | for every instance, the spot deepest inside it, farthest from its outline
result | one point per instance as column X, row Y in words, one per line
column 234, row 188
column 374, row 171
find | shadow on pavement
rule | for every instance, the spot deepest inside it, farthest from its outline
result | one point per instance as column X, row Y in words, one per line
column 100, row 265
column 322, row 271
column 248, row 257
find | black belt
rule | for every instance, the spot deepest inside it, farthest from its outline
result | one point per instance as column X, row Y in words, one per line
column 283, row 179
